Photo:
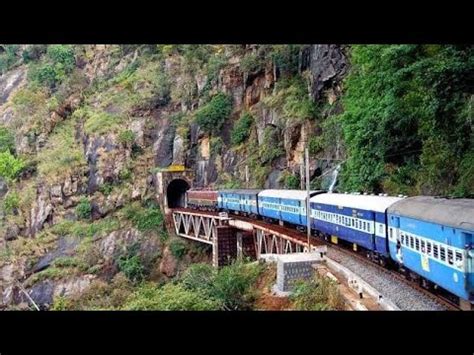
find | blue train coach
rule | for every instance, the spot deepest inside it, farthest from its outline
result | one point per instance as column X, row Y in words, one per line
column 355, row 218
column 284, row 205
column 433, row 237
column 240, row 200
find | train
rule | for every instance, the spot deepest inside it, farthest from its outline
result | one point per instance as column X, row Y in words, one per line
column 430, row 239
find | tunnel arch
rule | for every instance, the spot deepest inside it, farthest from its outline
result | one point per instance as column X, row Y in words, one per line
column 175, row 193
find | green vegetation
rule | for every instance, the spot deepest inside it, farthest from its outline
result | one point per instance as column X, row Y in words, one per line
column 319, row 294
column 84, row 209
column 293, row 100
column 170, row 297
column 178, row 248
column 212, row 116
column 10, row 167
column 271, row 147
column 59, row 62
column 241, row 130
column 408, row 112
column 291, row 181
column 7, row 140
column 126, row 137
column 144, row 218
column 11, row 202
column 85, row 229
column 230, row 286
column 62, row 155
column 8, row 58
column 131, row 264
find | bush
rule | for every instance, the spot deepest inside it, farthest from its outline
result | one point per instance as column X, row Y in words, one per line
column 8, row 58
column 177, row 248
column 170, row 297
column 126, row 137
column 251, row 63
column 60, row 62
column 84, row 209
column 62, row 56
column 232, row 286
column 212, row 116
column 10, row 167
column 33, row 52
column 144, row 219
column 7, row 141
column 292, row 182
column 199, row 277
column 319, row 294
column 271, row 147
column 11, row 202
column 241, row 130
column 131, row 265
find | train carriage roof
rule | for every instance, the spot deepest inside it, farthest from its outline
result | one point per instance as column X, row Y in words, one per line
column 289, row 194
column 457, row 213
column 363, row 202
column 241, row 191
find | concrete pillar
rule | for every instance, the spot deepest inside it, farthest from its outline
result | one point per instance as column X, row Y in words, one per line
column 225, row 246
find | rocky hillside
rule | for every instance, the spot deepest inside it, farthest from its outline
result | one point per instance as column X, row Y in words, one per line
column 83, row 129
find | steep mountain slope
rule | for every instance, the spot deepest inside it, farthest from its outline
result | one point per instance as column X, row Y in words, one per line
column 83, row 130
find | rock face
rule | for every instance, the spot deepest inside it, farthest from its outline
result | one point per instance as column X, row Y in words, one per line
column 168, row 265
column 328, row 65
column 11, row 81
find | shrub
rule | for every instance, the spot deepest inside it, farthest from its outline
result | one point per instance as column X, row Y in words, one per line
column 271, row 147
column 177, row 248
column 126, row 137
column 7, row 141
column 199, row 277
column 170, row 297
column 211, row 116
column 84, row 208
column 292, row 181
column 60, row 61
column 62, row 56
column 251, row 63
column 11, row 202
column 241, row 130
column 131, row 264
column 10, row 167
column 33, row 52
column 8, row 58
column 319, row 294
column 232, row 286
column 144, row 219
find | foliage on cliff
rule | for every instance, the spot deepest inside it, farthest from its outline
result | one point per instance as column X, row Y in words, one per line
column 408, row 119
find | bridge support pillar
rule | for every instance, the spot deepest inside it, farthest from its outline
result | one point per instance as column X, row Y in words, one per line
column 225, row 247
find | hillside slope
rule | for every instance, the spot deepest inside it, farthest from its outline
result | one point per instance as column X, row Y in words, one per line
column 83, row 129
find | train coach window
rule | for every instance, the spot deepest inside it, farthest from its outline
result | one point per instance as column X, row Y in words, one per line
column 450, row 257
column 428, row 247
column 458, row 258
column 422, row 243
column 435, row 251
column 412, row 244
column 380, row 228
column 442, row 253
column 353, row 222
column 417, row 244
column 403, row 239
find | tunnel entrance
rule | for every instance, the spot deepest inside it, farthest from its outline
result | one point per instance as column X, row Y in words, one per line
column 175, row 193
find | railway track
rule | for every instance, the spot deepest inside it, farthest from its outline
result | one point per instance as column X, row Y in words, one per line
column 443, row 302
column 318, row 240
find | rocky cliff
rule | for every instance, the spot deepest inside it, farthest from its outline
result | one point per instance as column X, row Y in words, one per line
column 91, row 124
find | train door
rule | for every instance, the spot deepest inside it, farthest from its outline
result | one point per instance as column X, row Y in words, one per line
column 394, row 236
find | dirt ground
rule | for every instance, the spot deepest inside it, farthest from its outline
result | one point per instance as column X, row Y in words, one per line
column 266, row 301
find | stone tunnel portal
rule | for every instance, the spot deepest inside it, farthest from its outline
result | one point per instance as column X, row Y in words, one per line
column 175, row 193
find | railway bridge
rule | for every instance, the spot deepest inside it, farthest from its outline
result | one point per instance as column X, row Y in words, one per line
column 231, row 236
column 234, row 237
